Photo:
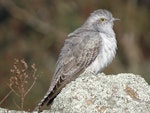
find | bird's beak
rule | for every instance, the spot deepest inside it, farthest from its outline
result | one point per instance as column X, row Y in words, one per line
column 114, row 19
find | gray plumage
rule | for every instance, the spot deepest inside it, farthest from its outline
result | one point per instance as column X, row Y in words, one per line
column 89, row 48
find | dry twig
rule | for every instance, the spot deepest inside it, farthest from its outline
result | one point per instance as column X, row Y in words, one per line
column 19, row 82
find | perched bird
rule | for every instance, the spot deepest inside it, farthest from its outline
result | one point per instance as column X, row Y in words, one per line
column 90, row 48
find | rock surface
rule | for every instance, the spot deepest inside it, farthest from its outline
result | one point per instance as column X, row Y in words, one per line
column 122, row 93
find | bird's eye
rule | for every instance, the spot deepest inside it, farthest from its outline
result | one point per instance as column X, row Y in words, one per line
column 102, row 19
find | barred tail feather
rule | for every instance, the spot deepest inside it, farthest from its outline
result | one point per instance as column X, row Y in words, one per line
column 42, row 102
column 48, row 99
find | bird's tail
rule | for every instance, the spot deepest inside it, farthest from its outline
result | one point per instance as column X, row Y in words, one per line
column 43, row 102
column 48, row 98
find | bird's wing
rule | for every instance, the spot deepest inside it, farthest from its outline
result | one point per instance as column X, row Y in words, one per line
column 79, row 51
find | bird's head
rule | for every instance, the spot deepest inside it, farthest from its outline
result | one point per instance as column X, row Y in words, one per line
column 101, row 20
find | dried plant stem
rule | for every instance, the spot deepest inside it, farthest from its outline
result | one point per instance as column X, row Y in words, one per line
column 30, row 87
column 22, row 101
column 20, row 81
column 6, row 97
column 14, row 91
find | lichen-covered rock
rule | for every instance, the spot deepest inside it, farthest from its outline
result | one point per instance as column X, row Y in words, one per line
column 122, row 93
column 2, row 110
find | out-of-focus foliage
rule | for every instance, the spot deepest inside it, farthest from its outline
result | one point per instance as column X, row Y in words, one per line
column 36, row 29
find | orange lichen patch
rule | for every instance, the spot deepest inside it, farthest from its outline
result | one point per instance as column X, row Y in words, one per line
column 101, row 109
column 89, row 101
column 131, row 92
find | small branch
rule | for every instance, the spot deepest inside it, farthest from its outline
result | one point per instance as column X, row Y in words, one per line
column 14, row 91
column 5, row 97
column 19, row 82
column 22, row 101
column 30, row 87
column 17, row 105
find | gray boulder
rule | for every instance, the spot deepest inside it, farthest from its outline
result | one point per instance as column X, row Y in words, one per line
column 122, row 93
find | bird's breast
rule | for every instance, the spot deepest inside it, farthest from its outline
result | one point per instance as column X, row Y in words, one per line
column 106, row 53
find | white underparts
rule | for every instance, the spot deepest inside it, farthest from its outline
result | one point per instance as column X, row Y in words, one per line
column 106, row 54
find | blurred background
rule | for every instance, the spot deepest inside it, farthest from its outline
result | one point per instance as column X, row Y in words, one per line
column 35, row 31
